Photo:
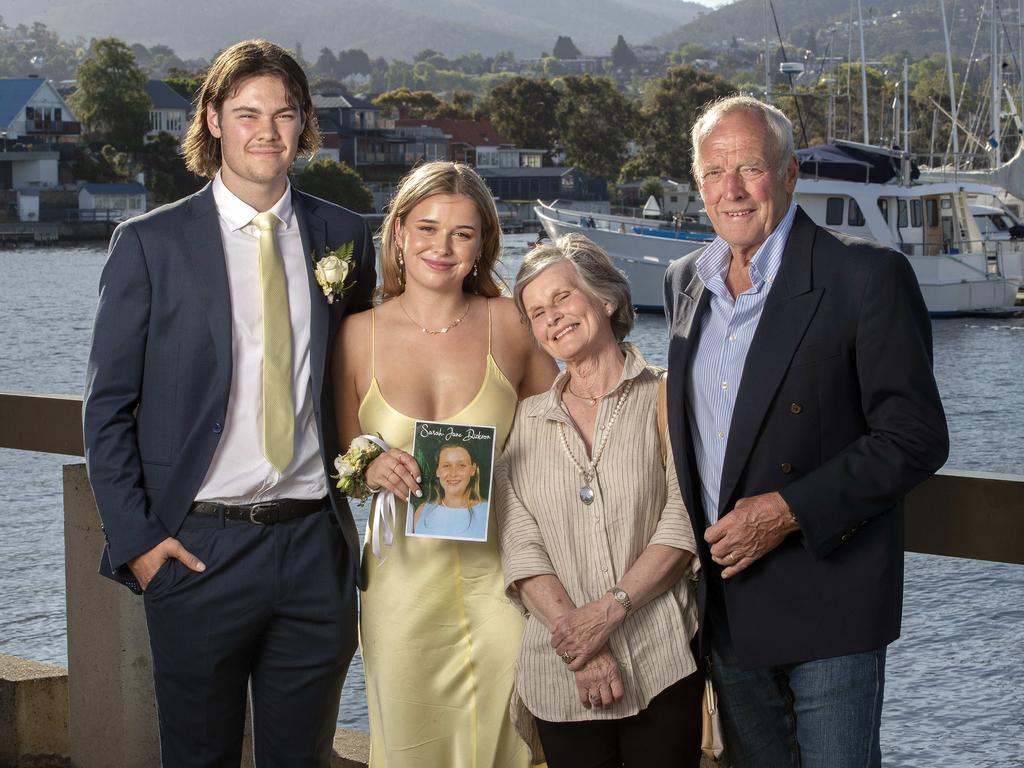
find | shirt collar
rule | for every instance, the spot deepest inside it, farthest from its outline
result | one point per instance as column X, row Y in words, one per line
column 239, row 214
column 713, row 264
column 549, row 404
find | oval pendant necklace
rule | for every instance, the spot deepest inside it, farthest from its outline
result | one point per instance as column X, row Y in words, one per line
column 589, row 472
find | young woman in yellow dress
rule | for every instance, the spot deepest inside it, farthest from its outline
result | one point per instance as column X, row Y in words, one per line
column 439, row 639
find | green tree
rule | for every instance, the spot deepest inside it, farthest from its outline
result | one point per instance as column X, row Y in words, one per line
column 111, row 98
column 459, row 108
column 184, row 82
column 411, row 104
column 622, row 54
column 595, row 124
column 565, row 49
column 353, row 61
column 669, row 110
column 524, row 110
column 327, row 64
column 336, row 182
column 651, row 186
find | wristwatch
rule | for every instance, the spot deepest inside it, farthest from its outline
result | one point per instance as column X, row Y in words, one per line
column 621, row 598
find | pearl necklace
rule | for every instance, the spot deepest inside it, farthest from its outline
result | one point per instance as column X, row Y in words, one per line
column 590, row 471
column 439, row 331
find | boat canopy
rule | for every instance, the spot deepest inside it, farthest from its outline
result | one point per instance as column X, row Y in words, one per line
column 847, row 163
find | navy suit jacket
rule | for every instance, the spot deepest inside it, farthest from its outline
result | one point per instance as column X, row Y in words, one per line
column 838, row 411
column 159, row 371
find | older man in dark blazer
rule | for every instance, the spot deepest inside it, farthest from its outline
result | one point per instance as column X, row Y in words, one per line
column 802, row 410
column 209, row 427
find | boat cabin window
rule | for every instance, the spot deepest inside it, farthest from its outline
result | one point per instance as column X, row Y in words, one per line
column 915, row 213
column 856, row 217
column 901, row 219
column 883, row 208
column 834, row 211
column 946, row 203
column 933, row 212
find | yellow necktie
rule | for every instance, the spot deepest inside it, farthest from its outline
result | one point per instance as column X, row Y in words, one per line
column 278, row 407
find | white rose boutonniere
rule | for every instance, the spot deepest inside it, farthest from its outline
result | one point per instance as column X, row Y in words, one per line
column 332, row 270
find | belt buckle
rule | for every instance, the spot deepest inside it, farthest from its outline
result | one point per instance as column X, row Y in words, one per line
column 268, row 507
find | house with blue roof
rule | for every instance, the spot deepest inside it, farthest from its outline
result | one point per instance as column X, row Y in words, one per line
column 34, row 119
column 169, row 111
column 33, row 112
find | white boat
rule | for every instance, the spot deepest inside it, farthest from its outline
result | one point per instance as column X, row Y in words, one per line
column 958, row 271
column 641, row 248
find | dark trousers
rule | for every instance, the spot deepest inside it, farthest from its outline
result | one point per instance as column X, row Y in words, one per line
column 276, row 606
column 664, row 735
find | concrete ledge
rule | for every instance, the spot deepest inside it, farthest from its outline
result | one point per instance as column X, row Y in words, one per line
column 33, row 714
column 351, row 749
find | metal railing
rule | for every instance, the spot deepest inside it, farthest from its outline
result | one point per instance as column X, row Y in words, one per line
column 977, row 515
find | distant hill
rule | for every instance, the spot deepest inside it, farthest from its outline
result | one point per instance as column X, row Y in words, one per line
column 388, row 28
column 890, row 26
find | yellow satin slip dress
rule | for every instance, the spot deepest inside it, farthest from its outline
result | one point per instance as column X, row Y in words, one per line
column 439, row 639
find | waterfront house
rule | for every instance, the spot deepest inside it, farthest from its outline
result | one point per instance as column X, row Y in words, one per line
column 111, row 202
column 477, row 143
column 34, row 120
column 169, row 111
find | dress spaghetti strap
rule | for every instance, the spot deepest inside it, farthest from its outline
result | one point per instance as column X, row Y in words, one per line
column 373, row 343
column 488, row 326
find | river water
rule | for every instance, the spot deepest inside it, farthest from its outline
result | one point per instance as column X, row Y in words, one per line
column 955, row 683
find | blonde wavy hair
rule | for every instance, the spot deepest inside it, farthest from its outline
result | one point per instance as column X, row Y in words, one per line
column 442, row 178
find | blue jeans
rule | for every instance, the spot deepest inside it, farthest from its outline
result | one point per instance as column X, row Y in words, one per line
column 817, row 714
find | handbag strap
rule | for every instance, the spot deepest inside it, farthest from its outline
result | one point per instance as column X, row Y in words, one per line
column 663, row 416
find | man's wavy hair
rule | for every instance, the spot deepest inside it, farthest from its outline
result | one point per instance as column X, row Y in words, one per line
column 249, row 58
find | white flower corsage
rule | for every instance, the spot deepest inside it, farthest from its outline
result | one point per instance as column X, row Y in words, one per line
column 332, row 270
column 352, row 464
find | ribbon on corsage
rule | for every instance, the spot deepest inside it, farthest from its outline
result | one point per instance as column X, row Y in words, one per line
column 351, row 478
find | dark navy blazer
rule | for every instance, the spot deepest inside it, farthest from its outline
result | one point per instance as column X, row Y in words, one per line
column 159, row 370
column 839, row 412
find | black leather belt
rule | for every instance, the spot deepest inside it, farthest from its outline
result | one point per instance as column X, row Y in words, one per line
column 261, row 513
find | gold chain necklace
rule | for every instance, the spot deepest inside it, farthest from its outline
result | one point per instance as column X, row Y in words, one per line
column 592, row 400
column 590, row 471
column 439, row 330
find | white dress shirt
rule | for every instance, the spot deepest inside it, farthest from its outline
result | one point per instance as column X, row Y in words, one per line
column 239, row 472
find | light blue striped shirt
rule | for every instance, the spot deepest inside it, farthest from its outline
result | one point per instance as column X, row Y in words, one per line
column 726, row 332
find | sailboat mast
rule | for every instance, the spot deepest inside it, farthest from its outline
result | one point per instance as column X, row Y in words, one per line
column 767, row 59
column 997, row 77
column 952, row 89
column 863, row 75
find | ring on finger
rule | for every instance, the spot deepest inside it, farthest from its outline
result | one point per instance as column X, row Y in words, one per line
column 567, row 657
column 594, row 697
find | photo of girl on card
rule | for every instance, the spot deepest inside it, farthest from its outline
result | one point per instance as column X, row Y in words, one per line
column 456, row 460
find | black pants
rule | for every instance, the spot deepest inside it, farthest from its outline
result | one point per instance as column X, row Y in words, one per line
column 276, row 605
column 664, row 735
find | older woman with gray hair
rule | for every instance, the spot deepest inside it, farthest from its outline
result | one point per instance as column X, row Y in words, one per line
column 595, row 540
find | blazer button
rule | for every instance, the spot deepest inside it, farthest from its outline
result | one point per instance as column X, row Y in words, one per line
column 795, row 408
column 786, row 468
column 217, row 427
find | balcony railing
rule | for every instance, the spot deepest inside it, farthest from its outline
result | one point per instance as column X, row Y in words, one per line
column 62, row 127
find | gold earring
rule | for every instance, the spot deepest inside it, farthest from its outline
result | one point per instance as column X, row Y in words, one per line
column 474, row 267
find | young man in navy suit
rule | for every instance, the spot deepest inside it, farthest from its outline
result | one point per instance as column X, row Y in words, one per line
column 802, row 409
column 209, row 427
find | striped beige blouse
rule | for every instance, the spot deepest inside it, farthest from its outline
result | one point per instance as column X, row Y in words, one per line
column 544, row 528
